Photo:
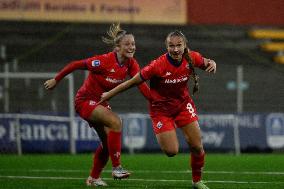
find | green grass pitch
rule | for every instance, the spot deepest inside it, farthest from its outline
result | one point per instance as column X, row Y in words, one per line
column 151, row 171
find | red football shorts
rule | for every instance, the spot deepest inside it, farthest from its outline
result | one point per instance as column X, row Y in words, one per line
column 85, row 107
column 162, row 123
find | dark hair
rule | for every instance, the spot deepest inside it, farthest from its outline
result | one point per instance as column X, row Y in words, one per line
column 114, row 35
column 187, row 58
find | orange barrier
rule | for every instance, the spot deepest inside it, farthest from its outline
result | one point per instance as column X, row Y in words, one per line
column 279, row 59
column 267, row 34
column 273, row 46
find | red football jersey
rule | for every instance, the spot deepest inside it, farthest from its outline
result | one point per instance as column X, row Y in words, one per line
column 105, row 73
column 168, row 82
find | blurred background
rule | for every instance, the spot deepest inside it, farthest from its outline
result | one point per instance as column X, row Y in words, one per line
column 241, row 107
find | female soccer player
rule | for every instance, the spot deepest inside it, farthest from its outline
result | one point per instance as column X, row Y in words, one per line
column 171, row 105
column 105, row 72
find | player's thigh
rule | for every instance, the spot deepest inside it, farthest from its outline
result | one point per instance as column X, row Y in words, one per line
column 165, row 131
column 168, row 142
column 192, row 135
column 104, row 116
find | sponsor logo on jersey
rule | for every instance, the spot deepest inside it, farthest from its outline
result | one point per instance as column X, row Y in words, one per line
column 185, row 78
column 168, row 73
column 111, row 80
column 159, row 125
column 96, row 63
column 92, row 103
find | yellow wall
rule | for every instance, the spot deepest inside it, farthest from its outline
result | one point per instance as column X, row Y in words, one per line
column 127, row 11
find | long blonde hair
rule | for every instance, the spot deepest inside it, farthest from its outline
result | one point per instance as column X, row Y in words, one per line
column 114, row 35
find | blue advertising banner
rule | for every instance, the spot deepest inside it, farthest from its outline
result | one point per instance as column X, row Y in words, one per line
column 275, row 130
column 220, row 132
column 45, row 135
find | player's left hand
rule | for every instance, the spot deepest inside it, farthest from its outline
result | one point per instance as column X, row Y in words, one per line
column 50, row 84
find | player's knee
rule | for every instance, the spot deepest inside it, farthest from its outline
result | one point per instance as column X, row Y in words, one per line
column 116, row 124
column 171, row 153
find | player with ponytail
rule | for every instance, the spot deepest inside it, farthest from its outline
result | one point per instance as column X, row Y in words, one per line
column 106, row 71
column 171, row 105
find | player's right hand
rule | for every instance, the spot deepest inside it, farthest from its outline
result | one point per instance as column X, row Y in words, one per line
column 50, row 84
column 104, row 97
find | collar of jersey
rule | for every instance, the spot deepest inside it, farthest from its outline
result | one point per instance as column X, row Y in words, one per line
column 120, row 65
column 172, row 61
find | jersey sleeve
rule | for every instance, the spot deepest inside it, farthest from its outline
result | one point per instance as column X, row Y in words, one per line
column 197, row 59
column 150, row 70
column 133, row 68
column 145, row 90
column 95, row 64
column 74, row 65
column 143, row 87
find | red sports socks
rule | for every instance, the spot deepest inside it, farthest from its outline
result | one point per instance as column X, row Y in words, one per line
column 197, row 163
column 114, row 147
column 99, row 161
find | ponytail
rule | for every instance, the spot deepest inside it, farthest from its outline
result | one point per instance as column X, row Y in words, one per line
column 114, row 35
column 194, row 75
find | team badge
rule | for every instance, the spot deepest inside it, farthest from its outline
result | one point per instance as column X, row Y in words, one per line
column 159, row 125
column 187, row 66
column 96, row 63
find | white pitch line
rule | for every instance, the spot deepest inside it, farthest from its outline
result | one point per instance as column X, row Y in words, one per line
column 151, row 171
column 45, row 178
column 245, row 172
column 142, row 180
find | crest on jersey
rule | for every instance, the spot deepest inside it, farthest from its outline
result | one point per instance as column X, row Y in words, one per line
column 159, row 125
column 96, row 63
column 187, row 66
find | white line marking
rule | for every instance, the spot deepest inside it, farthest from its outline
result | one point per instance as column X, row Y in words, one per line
column 143, row 180
column 245, row 172
column 150, row 171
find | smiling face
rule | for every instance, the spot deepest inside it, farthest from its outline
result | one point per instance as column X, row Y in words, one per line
column 126, row 46
column 175, row 46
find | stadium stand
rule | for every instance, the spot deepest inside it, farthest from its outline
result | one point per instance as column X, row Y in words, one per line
column 267, row 33
column 273, row 42
column 279, row 58
column 276, row 48
column 273, row 46
column 47, row 47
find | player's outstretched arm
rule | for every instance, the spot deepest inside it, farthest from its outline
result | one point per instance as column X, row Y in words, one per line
column 75, row 65
column 136, row 80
